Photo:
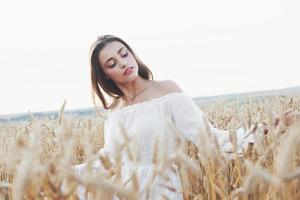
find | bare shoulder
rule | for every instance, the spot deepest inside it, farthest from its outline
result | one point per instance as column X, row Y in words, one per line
column 168, row 86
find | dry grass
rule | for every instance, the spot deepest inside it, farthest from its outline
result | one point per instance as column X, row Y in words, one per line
column 36, row 158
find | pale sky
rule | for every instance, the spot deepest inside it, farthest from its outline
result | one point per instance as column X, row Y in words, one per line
column 208, row 47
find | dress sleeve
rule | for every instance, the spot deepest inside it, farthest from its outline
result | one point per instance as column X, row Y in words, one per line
column 109, row 146
column 190, row 120
column 97, row 165
column 107, row 150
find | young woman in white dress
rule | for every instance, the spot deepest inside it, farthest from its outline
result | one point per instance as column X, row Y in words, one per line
column 141, row 106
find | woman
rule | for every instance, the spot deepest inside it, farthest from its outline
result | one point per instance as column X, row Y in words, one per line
column 141, row 106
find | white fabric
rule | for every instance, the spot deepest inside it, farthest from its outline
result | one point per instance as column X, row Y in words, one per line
column 144, row 121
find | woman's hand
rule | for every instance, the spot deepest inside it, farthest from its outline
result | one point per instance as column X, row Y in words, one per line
column 281, row 122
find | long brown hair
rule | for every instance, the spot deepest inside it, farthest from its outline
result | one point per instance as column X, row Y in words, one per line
column 98, row 77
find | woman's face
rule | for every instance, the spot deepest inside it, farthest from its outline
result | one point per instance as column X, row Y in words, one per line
column 114, row 59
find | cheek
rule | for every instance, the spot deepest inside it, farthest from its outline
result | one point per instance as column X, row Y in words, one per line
column 113, row 71
column 109, row 71
column 132, row 59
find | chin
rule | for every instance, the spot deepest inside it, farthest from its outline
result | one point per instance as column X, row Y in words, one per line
column 133, row 77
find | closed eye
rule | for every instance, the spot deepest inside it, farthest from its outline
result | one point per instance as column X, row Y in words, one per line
column 124, row 55
column 113, row 65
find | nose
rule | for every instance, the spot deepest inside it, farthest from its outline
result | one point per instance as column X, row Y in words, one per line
column 124, row 63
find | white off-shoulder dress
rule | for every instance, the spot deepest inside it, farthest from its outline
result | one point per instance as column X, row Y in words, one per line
column 147, row 120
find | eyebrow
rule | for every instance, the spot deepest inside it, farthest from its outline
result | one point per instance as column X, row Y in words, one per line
column 112, row 58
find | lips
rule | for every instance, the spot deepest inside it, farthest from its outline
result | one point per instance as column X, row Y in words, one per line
column 127, row 70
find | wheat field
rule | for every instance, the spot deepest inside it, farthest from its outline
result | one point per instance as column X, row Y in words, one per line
column 37, row 157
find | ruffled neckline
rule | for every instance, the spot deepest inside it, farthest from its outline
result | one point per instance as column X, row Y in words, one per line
column 144, row 103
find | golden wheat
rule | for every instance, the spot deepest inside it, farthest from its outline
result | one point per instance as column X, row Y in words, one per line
column 37, row 158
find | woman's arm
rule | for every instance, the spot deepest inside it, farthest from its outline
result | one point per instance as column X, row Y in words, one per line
column 192, row 123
